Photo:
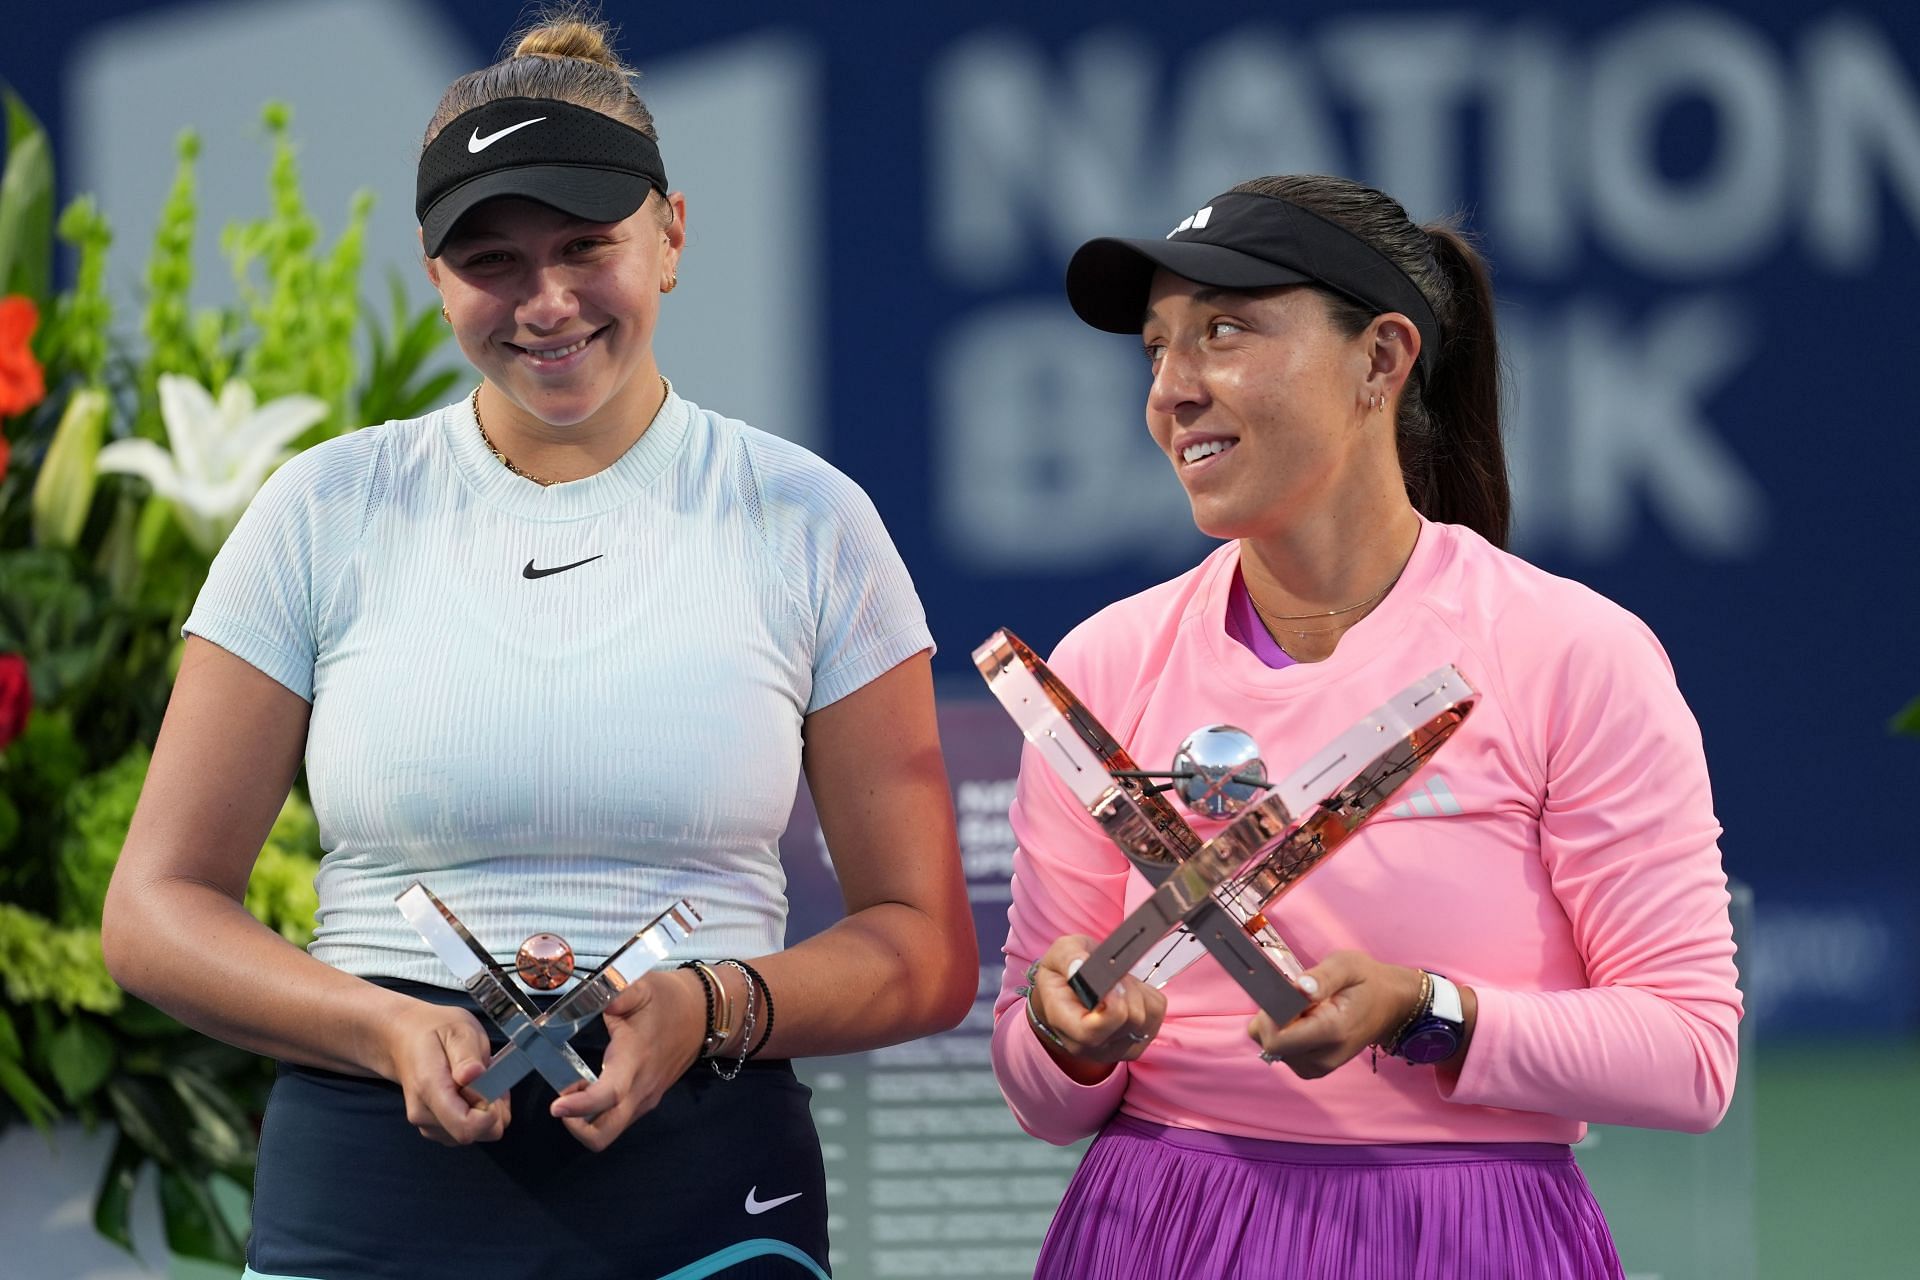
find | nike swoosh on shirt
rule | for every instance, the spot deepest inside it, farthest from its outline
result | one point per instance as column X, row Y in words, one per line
column 476, row 144
column 531, row 572
column 761, row 1206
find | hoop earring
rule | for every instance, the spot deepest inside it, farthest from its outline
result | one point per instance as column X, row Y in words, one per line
column 672, row 283
column 445, row 316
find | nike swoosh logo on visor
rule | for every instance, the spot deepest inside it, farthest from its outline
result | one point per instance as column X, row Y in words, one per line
column 761, row 1206
column 476, row 144
column 531, row 572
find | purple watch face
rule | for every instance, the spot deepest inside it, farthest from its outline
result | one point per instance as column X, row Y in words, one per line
column 1431, row 1040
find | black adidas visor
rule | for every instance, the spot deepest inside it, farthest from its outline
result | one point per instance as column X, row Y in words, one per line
column 1244, row 241
column 577, row 160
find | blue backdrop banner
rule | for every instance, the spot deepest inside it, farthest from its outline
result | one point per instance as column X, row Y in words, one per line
column 1702, row 219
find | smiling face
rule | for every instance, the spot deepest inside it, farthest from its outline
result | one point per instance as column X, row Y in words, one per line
column 558, row 313
column 1260, row 404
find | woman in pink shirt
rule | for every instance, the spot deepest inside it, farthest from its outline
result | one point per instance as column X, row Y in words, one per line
column 1538, row 928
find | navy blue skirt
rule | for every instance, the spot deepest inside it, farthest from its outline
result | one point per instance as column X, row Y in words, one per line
column 723, row 1178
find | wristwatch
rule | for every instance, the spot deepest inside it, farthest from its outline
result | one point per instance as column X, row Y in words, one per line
column 1434, row 1032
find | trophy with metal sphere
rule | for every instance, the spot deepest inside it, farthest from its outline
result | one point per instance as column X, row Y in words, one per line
column 1212, row 896
column 538, row 1041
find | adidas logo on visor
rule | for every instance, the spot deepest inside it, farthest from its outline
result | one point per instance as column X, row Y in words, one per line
column 1195, row 222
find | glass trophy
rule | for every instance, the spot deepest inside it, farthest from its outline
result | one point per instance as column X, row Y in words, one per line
column 1212, row 896
column 538, row 1041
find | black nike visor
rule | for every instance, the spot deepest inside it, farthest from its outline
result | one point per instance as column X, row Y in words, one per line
column 574, row 159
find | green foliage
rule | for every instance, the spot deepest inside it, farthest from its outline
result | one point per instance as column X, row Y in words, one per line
column 80, row 1054
column 77, row 337
column 96, row 577
column 99, row 810
column 98, row 662
column 398, row 383
column 37, row 771
column 167, row 324
column 63, row 494
column 303, row 305
column 280, row 893
column 1908, row 721
column 26, row 206
column 42, row 962
column 17, row 1083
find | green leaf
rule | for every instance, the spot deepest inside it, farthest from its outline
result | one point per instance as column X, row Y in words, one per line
column 151, row 1117
column 195, row 1226
column 1908, row 721
column 80, row 1055
column 399, row 383
column 221, row 1131
column 34, row 1104
column 26, row 207
column 113, row 1202
column 63, row 494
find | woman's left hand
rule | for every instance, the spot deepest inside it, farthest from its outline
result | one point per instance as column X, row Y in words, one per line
column 1358, row 1001
column 654, row 1032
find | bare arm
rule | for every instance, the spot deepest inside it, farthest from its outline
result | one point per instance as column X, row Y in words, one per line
column 903, row 963
column 176, row 932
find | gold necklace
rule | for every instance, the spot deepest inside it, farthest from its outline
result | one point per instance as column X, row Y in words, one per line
column 665, row 390
column 1318, row 613
column 505, row 461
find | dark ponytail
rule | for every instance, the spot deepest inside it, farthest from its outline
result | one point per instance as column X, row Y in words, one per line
column 1463, row 479
column 1448, row 433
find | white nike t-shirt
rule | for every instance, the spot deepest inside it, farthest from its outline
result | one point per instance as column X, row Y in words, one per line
column 560, row 708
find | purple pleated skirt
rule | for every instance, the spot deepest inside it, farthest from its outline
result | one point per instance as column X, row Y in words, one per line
column 1184, row 1204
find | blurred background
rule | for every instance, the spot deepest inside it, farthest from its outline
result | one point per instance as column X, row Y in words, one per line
column 1704, row 221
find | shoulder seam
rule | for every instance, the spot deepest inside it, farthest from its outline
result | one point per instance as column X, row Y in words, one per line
column 795, row 601
column 1496, row 677
column 324, row 616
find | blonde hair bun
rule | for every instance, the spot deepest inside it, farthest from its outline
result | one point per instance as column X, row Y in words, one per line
column 565, row 53
column 576, row 32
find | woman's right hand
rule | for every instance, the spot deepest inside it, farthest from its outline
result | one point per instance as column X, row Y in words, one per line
column 1088, row 1042
column 433, row 1053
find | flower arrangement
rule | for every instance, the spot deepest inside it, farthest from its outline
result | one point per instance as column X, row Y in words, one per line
column 125, row 460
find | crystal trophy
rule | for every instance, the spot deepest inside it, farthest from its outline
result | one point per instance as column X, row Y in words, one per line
column 537, row 1041
column 1212, row 896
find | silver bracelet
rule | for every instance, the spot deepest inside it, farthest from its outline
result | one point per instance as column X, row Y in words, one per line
column 746, row 1032
column 1038, row 1023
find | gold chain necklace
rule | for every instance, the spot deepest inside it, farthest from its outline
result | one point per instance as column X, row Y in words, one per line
column 505, row 461
column 1320, row 613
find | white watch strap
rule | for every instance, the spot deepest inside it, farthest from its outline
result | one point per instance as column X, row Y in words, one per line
column 1446, row 1000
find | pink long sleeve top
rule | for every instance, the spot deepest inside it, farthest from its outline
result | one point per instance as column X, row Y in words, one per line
column 1559, row 855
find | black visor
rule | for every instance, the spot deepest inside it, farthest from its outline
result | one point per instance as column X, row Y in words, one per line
column 579, row 161
column 1244, row 241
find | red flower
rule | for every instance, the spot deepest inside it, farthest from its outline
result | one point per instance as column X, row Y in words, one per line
column 16, row 697
column 21, row 384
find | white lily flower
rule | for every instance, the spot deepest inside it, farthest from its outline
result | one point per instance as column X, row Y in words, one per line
column 221, row 453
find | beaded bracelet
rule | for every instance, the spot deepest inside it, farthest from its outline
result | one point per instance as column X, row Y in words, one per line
column 700, row 971
column 766, row 998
